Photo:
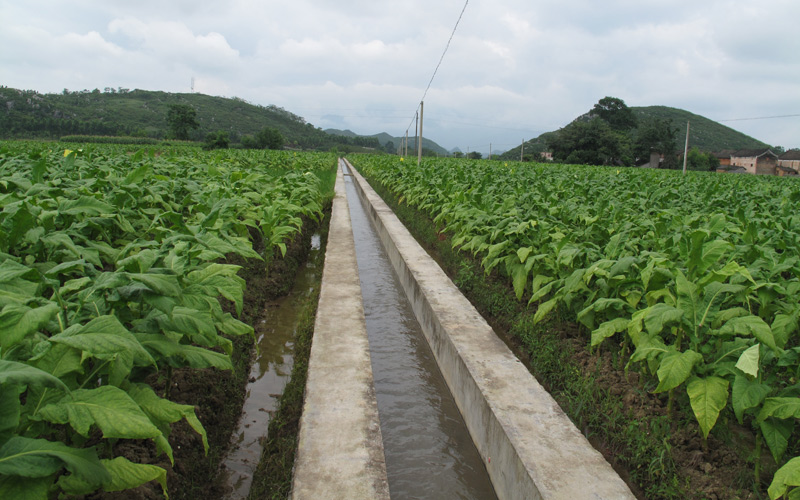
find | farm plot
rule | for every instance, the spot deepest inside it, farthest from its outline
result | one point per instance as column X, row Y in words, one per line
column 694, row 280
column 111, row 269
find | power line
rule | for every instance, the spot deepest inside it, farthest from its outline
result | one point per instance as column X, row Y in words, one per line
column 440, row 59
column 758, row 118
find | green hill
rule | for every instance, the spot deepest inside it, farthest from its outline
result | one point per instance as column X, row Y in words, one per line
column 29, row 114
column 705, row 134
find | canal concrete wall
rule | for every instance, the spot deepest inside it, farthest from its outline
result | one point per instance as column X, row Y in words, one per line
column 529, row 446
column 340, row 449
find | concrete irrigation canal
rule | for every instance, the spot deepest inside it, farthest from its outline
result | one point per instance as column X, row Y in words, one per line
column 455, row 415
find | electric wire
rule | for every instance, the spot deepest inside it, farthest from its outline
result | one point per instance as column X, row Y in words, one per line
column 758, row 118
column 440, row 61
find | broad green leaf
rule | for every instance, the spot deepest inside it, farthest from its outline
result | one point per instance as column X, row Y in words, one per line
column 776, row 434
column 608, row 329
column 675, row 368
column 780, row 408
column 10, row 409
column 786, row 476
column 14, row 373
column 748, row 361
column 24, row 488
column 10, row 269
column 712, row 252
column 126, row 475
column 661, row 315
column 750, row 326
column 688, row 301
column 647, row 346
column 544, row 309
column 523, row 253
column 138, row 174
column 165, row 411
column 747, row 394
column 519, row 277
column 107, row 407
column 193, row 356
column 164, row 284
column 85, row 205
column 196, row 325
column 105, row 338
column 21, row 456
column 17, row 322
column 782, row 327
column 708, row 396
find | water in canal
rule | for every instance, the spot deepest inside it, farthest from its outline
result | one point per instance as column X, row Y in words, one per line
column 429, row 452
column 269, row 373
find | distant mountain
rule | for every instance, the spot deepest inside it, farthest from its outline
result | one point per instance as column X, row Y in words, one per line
column 385, row 138
column 29, row 114
column 705, row 134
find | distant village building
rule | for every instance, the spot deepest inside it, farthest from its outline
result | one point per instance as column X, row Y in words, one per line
column 789, row 162
column 546, row 155
column 724, row 156
column 756, row 161
column 656, row 160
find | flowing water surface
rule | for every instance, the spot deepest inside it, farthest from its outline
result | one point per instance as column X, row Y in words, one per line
column 429, row 452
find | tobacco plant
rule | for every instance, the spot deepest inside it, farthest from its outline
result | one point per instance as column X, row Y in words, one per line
column 110, row 269
column 696, row 277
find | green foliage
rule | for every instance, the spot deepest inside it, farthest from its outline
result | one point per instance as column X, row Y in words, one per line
column 615, row 112
column 182, row 119
column 108, row 139
column 697, row 160
column 216, row 140
column 591, row 142
column 658, row 135
column 108, row 273
column 695, row 273
column 266, row 138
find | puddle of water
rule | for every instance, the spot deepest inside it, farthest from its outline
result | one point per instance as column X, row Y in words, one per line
column 269, row 374
column 429, row 452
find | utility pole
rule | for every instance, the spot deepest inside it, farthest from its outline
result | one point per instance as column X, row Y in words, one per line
column 490, row 150
column 686, row 148
column 419, row 154
column 405, row 153
column 522, row 149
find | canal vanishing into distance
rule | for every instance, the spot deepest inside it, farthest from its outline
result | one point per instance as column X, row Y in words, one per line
column 429, row 452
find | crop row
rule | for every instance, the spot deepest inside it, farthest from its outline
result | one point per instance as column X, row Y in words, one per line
column 696, row 277
column 112, row 268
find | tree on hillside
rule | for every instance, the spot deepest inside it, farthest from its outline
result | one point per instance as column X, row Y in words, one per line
column 266, row 138
column 216, row 140
column 270, row 138
column 614, row 112
column 590, row 142
column 655, row 134
column 389, row 147
column 182, row 119
column 697, row 160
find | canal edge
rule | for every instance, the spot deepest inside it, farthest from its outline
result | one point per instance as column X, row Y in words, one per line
column 340, row 447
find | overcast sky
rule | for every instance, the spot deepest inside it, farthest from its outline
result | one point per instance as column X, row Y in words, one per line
column 514, row 69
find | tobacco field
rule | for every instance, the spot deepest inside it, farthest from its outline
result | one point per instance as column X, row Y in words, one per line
column 694, row 281
column 112, row 268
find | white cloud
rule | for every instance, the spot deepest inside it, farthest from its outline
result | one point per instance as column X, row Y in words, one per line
column 513, row 68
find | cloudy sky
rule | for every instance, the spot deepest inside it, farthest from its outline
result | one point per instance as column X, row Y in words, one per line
column 514, row 69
